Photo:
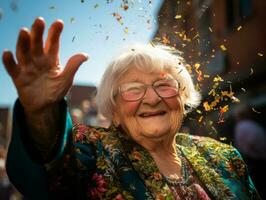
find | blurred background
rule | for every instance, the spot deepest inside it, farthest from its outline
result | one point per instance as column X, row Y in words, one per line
column 223, row 43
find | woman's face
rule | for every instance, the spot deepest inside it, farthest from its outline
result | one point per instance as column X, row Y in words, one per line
column 151, row 117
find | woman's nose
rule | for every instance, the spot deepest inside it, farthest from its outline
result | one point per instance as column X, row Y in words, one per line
column 151, row 97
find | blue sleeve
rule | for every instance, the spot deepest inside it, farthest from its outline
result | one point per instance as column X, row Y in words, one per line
column 25, row 172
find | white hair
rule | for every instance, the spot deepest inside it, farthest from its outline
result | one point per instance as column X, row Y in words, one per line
column 148, row 58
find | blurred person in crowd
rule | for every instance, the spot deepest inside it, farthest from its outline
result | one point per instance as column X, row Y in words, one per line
column 145, row 93
column 250, row 140
column 7, row 191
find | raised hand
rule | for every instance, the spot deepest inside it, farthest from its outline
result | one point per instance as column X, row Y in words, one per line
column 37, row 74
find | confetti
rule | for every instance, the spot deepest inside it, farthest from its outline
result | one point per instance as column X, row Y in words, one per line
column 72, row 20
column 1, row 13
column 251, row 71
column 223, row 138
column 96, row 5
column 14, row 6
column 260, row 54
column 73, row 38
column 224, row 109
column 198, row 111
column 210, row 29
column 165, row 40
column 52, row 7
column 223, row 47
column 178, row 16
column 118, row 17
column 217, row 79
column 200, row 119
column 197, row 65
column 243, row 89
column 126, row 30
column 239, row 28
column 253, row 109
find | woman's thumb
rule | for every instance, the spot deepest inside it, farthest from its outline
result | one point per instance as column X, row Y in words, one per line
column 73, row 64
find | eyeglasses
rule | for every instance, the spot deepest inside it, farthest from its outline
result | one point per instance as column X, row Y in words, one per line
column 135, row 91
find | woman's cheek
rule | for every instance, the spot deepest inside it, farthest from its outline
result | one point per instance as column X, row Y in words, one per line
column 172, row 103
column 131, row 108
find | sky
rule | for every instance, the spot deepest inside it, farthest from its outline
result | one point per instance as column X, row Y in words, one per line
column 89, row 26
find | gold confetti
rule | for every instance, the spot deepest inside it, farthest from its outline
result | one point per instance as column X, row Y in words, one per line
column 198, row 111
column 165, row 40
column 223, row 138
column 200, row 119
column 217, row 79
column 224, row 109
column 260, row 54
column 223, row 47
column 243, row 89
column 178, row 16
column 210, row 29
column 197, row 65
column 239, row 28
column 126, row 30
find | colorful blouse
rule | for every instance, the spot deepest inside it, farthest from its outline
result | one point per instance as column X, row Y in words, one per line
column 98, row 163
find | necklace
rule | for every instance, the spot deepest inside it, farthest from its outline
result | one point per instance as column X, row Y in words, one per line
column 185, row 175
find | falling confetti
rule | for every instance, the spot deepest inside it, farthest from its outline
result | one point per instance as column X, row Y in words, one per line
column 96, row 5
column 210, row 29
column 178, row 16
column 52, row 7
column 260, row 54
column 72, row 19
column 251, row 71
column 73, row 38
column 165, row 40
column 1, row 13
column 118, row 17
column 239, row 28
column 253, row 109
column 223, row 47
column 126, row 30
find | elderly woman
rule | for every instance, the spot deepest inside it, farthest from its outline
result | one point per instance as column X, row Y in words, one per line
column 144, row 92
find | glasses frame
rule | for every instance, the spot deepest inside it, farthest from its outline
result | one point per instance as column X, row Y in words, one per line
column 153, row 87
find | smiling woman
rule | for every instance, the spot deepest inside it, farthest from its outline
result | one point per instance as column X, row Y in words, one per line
column 143, row 92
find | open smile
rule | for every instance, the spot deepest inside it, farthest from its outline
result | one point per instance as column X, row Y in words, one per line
column 152, row 114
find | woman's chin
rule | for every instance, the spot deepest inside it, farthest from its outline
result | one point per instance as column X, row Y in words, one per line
column 154, row 132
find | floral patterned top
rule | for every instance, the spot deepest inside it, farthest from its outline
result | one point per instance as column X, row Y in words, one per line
column 98, row 163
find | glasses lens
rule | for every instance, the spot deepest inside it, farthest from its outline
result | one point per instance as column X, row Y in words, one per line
column 166, row 88
column 132, row 91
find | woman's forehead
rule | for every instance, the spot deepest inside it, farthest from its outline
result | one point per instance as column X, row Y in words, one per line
column 139, row 75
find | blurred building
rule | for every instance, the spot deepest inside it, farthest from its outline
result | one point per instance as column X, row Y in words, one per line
column 5, row 125
column 83, row 108
column 224, row 44
column 226, row 38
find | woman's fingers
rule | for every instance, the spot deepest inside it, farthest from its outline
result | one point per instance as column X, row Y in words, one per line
column 10, row 64
column 37, row 30
column 73, row 64
column 23, row 47
column 52, row 42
